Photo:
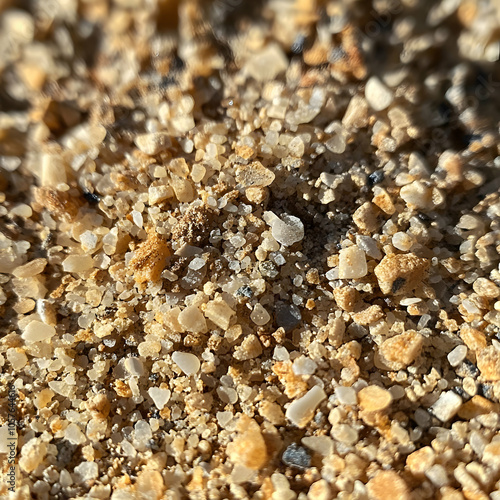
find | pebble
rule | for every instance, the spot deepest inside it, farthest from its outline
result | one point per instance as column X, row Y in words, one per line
column 159, row 396
column 153, row 143
column 447, row 406
column 418, row 195
column 377, row 94
column 248, row 448
column 346, row 395
column 219, row 313
column 254, row 175
column 134, row 366
column 288, row 316
column 77, row 263
column 259, row 315
column 352, row 263
column 36, row 331
column 86, row 471
column 301, row 411
column 267, row 64
column 345, row 434
column 401, row 350
column 421, row 460
column 387, row 481
column 457, row 355
column 304, row 366
column 286, row 230
column 399, row 274
column 187, row 362
column 30, row 269
column 374, row 398
column 192, row 320
column 296, row 456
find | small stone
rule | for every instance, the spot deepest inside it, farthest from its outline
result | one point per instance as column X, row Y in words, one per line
column 320, row 490
column 149, row 259
column 249, row 448
column 86, row 471
column 267, row 64
column 387, row 481
column 17, row 358
column 153, row 143
column 30, row 269
column 474, row 339
column 401, row 350
column 345, row 434
column 288, row 316
column 36, row 331
column 88, row 239
column 488, row 362
column 374, row 398
column 457, row 355
column 366, row 218
column 368, row 315
column 346, row 297
column 400, row 274
column 486, row 288
column 259, row 315
column 402, row 241
column 33, row 453
column 352, row 263
column 254, row 175
column 491, row 454
column 77, row 263
column 296, row 456
column 286, row 230
column 301, row 411
column 219, row 313
column 134, row 366
column 421, row 460
column 159, row 396
column 477, row 405
column 304, row 366
column 192, row 320
column 378, row 95
column 383, row 201
column 250, row 348
column 346, row 395
column 447, row 406
column 157, row 194
column 296, row 147
column 417, row 195
column 187, row 362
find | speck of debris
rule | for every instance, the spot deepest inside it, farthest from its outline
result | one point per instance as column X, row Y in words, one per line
column 296, row 456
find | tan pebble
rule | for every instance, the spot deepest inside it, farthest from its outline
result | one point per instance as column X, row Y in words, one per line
column 486, row 288
column 477, row 406
column 294, row 384
column 219, row 313
column 346, row 297
column 245, row 152
column 369, row 315
column 387, row 484
column 417, row 195
column 383, row 200
column 491, row 454
column 250, row 348
column 366, row 217
column 335, row 330
column 254, row 174
column 149, row 259
column 488, row 362
column 400, row 274
column 419, row 461
column 374, row 398
column 61, row 204
column 249, row 448
column 320, row 490
column 401, row 350
column 192, row 320
column 272, row 412
column 257, row 195
column 32, row 268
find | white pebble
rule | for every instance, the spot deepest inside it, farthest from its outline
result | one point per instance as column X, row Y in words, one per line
column 159, row 396
column 259, row 315
column 301, row 411
column 352, row 263
column 77, row 263
column 346, row 395
column 457, row 355
column 37, row 331
column 134, row 366
column 304, row 366
column 446, row 406
column 378, row 95
column 286, row 230
column 188, row 363
column 85, row 471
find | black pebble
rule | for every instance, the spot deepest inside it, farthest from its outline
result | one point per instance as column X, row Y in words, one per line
column 296, row 456
column 245, row 290
column 376, row 178
column 92, row 198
